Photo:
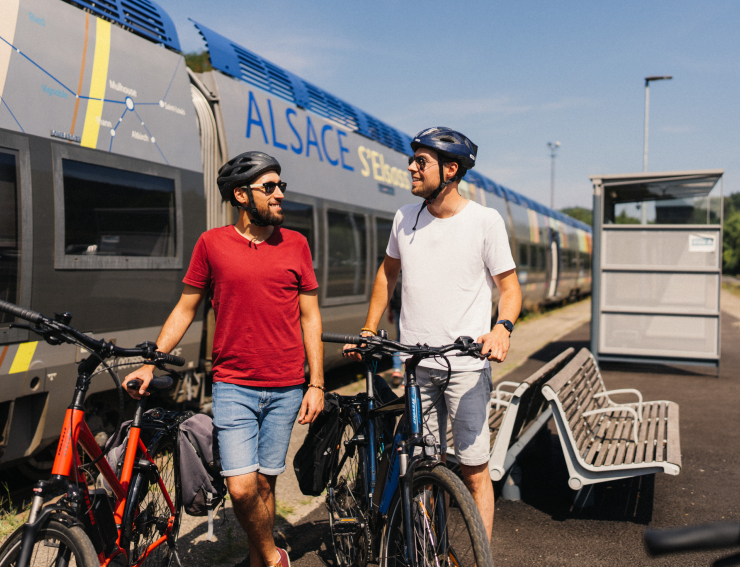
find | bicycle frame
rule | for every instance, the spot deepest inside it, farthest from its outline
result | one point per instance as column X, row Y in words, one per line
column 403, row 462
column 65, row 473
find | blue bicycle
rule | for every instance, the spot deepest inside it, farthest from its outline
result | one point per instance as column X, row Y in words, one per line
column 388, row 479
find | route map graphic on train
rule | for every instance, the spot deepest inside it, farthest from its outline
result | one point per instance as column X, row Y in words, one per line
column 100, row 87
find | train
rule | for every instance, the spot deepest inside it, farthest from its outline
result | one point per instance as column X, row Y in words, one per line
column 109, row 152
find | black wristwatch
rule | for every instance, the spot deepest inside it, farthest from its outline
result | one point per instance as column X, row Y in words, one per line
column 508, row 325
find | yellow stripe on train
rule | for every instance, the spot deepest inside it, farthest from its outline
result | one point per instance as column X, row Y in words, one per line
column 23, row 357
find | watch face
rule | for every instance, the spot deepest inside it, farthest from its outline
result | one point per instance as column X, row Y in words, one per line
column 508, row 325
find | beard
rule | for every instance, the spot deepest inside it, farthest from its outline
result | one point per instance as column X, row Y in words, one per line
column 269, row 217
column 424, row 190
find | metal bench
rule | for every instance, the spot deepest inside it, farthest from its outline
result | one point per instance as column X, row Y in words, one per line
column 603, row 440
column 516, row 417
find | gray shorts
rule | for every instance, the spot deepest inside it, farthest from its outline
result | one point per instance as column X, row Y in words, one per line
column 467, row 400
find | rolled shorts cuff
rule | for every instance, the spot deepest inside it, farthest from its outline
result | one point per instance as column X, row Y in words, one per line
column 473, row 462
column 272, row 472
column 241, row 471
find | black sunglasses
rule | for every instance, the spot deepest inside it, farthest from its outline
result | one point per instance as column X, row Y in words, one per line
column 270, row 186
column 421, row 161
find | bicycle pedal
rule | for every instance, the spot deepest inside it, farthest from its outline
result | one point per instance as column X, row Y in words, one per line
column 347, row 526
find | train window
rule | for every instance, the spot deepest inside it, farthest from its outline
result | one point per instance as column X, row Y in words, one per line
column 113, row 212
column 299, row 217
column 542, row 258
column 347, row 254
column 9, row 232
column 523, row 254
column 382, row 236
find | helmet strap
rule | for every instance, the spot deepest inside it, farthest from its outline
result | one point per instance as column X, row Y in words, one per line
column 257, row 218
column 429, row 200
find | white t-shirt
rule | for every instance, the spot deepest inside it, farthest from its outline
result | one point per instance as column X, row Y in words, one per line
column 448, row 267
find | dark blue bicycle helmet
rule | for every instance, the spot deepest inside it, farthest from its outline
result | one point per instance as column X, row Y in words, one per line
column 450, row 145
column 240, row 172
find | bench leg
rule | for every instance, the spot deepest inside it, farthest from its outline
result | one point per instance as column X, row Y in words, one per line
column 584, row 497
column 512, row 484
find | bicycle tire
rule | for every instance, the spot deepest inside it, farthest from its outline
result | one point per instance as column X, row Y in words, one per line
column 352, row 545
column 465, row 543
column 153, row 511
column 53, row 541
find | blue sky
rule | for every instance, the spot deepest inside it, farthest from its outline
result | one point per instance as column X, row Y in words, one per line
column 514, row 76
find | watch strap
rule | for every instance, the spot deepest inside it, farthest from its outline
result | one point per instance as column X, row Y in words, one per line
column 508, row 325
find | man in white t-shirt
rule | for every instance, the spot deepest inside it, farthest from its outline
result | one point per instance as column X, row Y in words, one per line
column 452, row 252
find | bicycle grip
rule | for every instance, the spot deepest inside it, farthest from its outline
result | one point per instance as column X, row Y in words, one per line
column 711, row 536
column 171, row 359
column 21, row 313
column 342, row 339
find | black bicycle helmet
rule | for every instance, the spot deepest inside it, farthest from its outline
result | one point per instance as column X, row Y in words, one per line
column 450, row 145
column 240, row 172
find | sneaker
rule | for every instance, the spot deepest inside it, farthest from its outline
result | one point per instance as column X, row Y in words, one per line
column 397, row 379
column 284, row 559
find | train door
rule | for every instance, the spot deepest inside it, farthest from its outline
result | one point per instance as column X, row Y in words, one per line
column 555, row 262
column 15, row 231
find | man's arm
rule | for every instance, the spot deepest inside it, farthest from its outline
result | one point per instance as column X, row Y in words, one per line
column 171, row 334
column 313, row 401
column 385, row 283
column 496, row 343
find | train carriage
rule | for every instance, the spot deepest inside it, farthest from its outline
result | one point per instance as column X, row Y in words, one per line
column 109, row 148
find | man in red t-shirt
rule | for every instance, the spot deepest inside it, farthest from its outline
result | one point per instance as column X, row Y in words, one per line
column 264, row 294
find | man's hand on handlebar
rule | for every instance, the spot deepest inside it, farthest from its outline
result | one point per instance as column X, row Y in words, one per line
column 145, row 373
column 495, row 344
column 354, row 355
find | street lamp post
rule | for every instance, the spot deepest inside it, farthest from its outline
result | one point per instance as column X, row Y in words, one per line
column 647, row 112
column 553, row 152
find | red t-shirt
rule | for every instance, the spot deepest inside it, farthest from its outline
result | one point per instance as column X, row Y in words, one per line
column 255, row 299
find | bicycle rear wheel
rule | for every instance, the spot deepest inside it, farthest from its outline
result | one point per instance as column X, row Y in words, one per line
column 350, row 532
column 448, row 530
column 149, row 521
column 55, row 544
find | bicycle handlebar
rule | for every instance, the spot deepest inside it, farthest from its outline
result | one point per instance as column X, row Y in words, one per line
column 59, row 330
column 342, row 339
column 464, row 344
column 21, row 313
column 694, row 538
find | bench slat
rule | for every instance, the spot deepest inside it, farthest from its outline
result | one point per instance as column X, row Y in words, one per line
column 642, row 433
column 673, row 449
column 562, row 377
column 661, row 432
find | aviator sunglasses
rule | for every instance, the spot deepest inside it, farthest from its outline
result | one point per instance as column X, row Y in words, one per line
column 421, row 161
column 270, row 186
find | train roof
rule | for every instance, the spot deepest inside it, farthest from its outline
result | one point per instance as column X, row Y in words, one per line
column 142, row 17
column 240, row 63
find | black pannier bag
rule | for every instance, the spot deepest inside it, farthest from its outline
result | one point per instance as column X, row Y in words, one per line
column 312, row 461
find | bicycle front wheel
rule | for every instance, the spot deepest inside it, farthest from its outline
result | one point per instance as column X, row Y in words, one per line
column 448, row 529
column 149, row 521
column 55, row 544
column 348, row 522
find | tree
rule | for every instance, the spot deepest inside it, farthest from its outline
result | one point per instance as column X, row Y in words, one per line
column 579, row 213
column 731, row 235
column 198, row 61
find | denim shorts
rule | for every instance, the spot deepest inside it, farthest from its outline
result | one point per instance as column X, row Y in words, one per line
column 467, row 401
column 254, row 426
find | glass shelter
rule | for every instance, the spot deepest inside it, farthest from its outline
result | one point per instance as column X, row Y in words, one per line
column 657, row 267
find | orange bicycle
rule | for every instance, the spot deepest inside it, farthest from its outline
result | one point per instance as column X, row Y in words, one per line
column 71, row 524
